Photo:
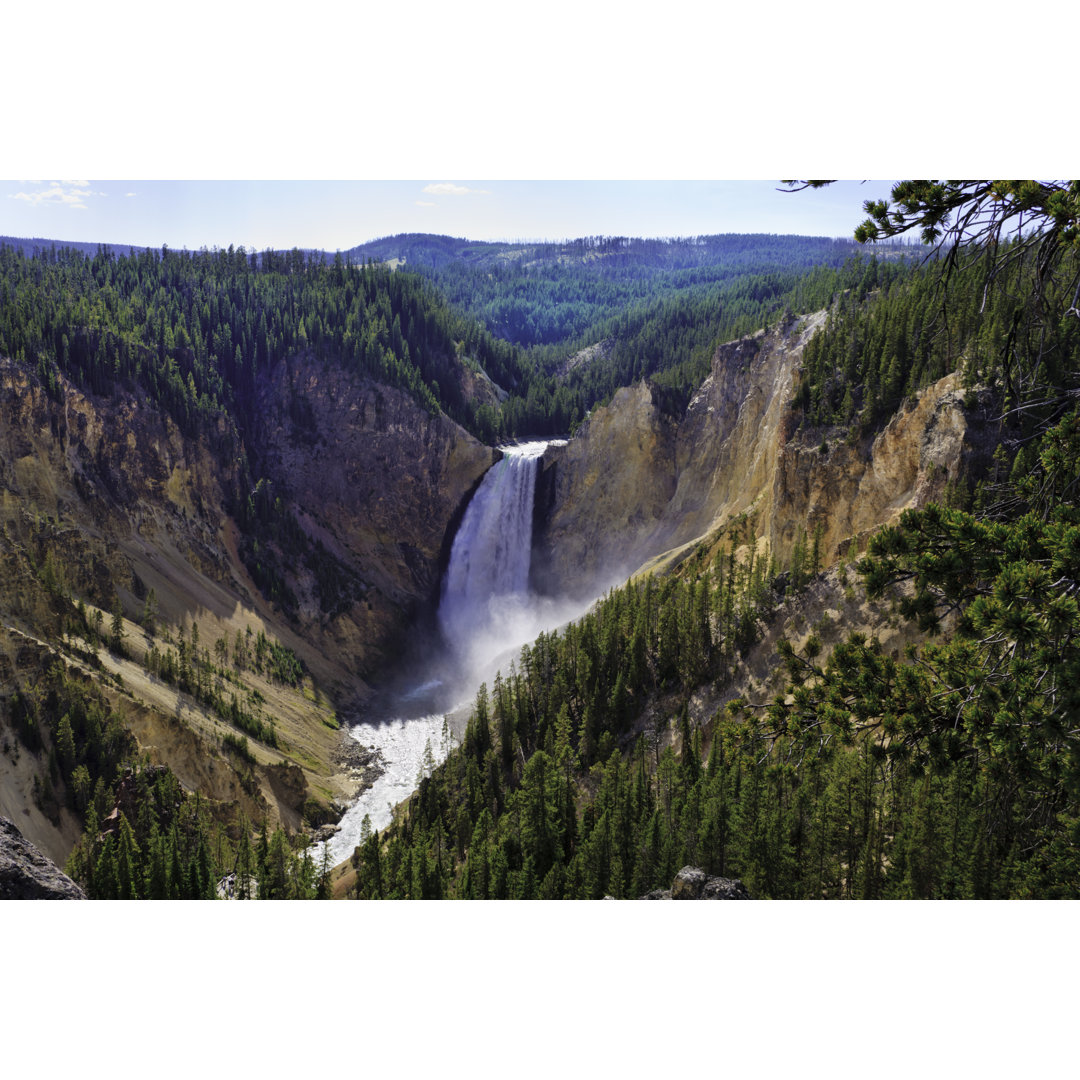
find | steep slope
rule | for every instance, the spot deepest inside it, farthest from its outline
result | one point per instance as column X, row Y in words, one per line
column 376, row 482
column 633, row 485
column 106, row 504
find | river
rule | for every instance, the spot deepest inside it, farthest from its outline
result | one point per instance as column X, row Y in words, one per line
column 486, row 613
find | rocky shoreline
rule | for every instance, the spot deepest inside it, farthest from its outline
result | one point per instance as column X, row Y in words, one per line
column 362, row 766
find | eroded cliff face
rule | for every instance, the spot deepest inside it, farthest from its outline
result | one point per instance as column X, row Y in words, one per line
column 379, row 482
column 26, row 874
column 634, row 487
column 105, row 499
column 599, row 497
column 83, row 479
column 850, row 490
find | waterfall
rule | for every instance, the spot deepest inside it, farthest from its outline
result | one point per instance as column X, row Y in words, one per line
column 486, row 586
column 486, row 613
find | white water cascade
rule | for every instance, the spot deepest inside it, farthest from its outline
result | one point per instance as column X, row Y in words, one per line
column 485, row 606
column 485, row 613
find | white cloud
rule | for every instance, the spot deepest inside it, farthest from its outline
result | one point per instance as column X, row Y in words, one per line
column 453, row 189
column 129, row 195
column 67, row 193
column 420, row 202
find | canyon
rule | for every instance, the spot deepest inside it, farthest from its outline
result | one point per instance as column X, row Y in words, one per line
column 379, row 489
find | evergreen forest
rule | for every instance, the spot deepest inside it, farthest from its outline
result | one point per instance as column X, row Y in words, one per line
column 587, row 768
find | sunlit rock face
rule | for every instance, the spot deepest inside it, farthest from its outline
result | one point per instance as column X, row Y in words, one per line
column 600, row 497
column 633, row 485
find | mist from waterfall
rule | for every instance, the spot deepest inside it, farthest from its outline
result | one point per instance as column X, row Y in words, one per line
column 486, row 614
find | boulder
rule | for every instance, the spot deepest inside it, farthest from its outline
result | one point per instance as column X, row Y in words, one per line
column 689, row 884
column 692, row 883
column 26, row 874
column 718, row 888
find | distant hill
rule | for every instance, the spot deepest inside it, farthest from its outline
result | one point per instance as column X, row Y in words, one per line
column 33, row 244
column 546, row 293
column 422, row 251
column 604, row 254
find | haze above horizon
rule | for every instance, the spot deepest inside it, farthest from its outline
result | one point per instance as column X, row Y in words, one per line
column 337, row 215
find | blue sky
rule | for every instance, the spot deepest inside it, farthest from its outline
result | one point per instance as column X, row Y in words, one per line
column 340, row 214
column 442, row 92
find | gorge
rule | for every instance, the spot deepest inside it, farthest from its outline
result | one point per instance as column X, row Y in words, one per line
column 237, row 592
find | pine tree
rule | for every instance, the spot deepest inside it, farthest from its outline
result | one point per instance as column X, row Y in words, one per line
column 157, row 885
column 65, row 744
column 177, row 885
column 149, row 612
column 116, row 633
column 244, row 866
column 127, row 862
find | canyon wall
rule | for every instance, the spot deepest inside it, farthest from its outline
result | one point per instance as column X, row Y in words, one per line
column 634, row 485
column 380, row 483
column 103, row 499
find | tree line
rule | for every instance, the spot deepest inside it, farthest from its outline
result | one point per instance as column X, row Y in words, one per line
column 193, row 330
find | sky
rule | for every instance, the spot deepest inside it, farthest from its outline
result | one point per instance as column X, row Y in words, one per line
column 372, row 120
column 335, row 215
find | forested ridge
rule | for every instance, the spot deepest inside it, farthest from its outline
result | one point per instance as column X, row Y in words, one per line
column 634, row 308
column 671, row 340
column 196, row 330
column 868, row 359
column 547, row 293
column 197, row 333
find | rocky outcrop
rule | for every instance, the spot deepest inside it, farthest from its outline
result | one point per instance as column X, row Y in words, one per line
column 599, row 497
column 126, row 804
column 26, row 874
column 100, row 484
column 375, row 479
column 633, row 484
column 850, row 489
column 692, row 883
column 80, row 456
column 290, row 789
